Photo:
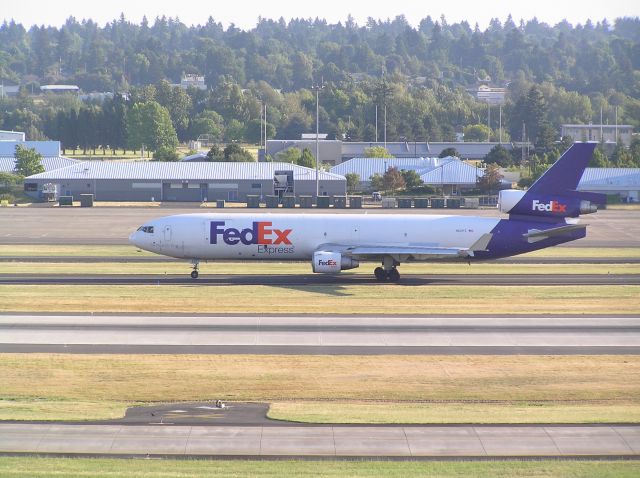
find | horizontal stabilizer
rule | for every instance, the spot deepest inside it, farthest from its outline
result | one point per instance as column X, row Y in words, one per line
column 482, row 243
column 535, row 235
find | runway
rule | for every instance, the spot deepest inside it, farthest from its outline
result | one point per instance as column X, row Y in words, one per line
column 301, row 280
column 314, row 335
column 323, row 441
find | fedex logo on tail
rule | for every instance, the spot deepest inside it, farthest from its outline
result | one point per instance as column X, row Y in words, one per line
column 259, row 233
column 551, row 206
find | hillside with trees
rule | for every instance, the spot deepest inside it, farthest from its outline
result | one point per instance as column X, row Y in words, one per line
column 553, row 74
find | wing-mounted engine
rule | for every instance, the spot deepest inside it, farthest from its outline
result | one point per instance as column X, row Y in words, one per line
column 332, row 262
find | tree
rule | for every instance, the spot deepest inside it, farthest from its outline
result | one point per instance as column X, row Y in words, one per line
column 377, row 152
column 166, row 154
column 500, row 156
column 149, row 124
column 178, row 103
column 447, row 152
column 215, row 154
column 546, row 136
column 377, row 182
column 476, row 132
column 411, row 178
column 28, row 161
column 255, row 129
column 634, row 149
column 393, row 179
column 599, row 159
column 490, row 181
column 290, row 155
column 235, row 131
column 307, row 159
column 207, row 122
column 236, row 154
column 621, row 157
column 353, row 181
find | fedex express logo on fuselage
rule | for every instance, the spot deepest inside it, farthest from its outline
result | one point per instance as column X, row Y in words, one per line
column 551, row 206
column 260, row 233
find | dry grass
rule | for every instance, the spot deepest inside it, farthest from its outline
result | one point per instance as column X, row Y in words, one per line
column 75, row 410
column 444, row 413
column 149, row 378
column 330, row 388
column 326, row 299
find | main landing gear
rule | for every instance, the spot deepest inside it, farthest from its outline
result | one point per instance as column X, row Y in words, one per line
column 194, row 273
column 388, row 271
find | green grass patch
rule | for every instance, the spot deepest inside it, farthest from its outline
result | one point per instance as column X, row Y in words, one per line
column 34, row 467
column 336, row 298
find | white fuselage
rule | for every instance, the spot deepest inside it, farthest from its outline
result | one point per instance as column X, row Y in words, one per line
column 266, row 236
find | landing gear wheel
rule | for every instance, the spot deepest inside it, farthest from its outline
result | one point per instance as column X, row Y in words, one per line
column 194, row 274
column 393, row 275
column 380, row 273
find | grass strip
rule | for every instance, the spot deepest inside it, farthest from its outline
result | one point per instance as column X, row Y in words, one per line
column 34, row 467
column 330, row 388
column 336, row 298
column 446, row 413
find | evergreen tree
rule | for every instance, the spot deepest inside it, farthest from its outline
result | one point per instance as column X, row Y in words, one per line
column 500, row 156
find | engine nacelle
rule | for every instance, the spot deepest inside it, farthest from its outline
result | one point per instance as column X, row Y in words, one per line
column 508, row 198
column 332, row 262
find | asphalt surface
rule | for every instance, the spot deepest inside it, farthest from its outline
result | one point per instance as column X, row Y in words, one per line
column 301, row 280
column 348, row 335
column 112, row 225
column 561, row 441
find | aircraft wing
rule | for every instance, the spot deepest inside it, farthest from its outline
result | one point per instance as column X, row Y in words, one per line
column 409, row 252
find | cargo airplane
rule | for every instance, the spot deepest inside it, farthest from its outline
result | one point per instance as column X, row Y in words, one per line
column 545, row 215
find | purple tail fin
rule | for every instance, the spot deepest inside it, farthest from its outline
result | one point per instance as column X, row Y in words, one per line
column 555, row 193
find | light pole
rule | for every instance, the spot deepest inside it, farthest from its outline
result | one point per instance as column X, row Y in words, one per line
column 317, row 89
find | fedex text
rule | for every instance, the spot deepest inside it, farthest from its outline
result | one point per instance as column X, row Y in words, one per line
column 552, row 206
column 260, row 233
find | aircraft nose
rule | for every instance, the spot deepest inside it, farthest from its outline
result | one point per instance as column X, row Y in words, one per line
column 133, row 238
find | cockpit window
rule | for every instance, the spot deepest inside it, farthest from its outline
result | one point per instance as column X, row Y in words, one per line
column 147, row 229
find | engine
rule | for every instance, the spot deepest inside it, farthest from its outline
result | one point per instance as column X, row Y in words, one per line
column 332, row 262
column 508, row 198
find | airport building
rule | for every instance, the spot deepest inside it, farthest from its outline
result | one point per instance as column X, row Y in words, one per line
column 183, row 181
column 602, row 133
column 335, row 152
column 624, row 182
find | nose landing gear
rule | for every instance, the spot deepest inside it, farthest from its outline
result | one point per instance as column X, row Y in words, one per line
column 194, row 273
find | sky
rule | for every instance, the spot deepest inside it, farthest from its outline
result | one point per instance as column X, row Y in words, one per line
column 244, row 14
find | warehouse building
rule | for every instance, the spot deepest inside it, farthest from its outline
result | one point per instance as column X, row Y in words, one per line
column 184, row 181
column 624, row 182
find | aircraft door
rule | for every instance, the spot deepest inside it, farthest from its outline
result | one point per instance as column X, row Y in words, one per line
column 167, row 233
